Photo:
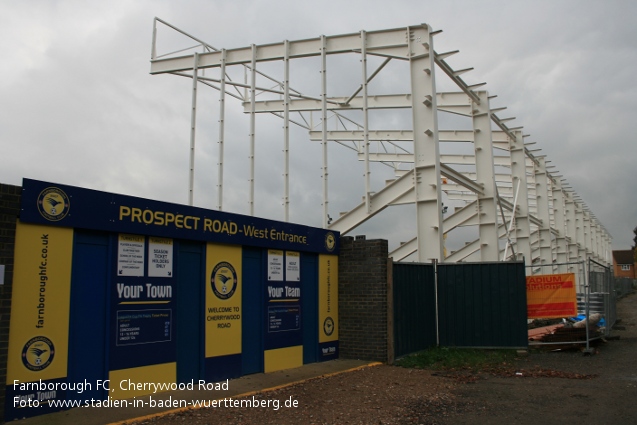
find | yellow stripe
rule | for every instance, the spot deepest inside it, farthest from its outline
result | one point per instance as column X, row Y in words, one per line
column 144, row 302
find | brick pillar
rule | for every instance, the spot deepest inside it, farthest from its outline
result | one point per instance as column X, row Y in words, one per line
column 362, row 299
column 9, row 210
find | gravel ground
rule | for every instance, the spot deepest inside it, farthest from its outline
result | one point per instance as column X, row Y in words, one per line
column 543, row 387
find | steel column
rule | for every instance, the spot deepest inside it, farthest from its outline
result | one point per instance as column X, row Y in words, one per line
column 222, row 118
column 426, row 150
column 587, row 234
column 581, row 232
column 593, row 227
column 485, row 176
column 365, row 120
column 571, row 231
column 286, row 131
column 608, row 257
column 559, row 215
column 596, row 241
column 193, row 125
column 592, row 231
column 253, row 95
column 542, row 195
column 519, row 180
column 324, row 130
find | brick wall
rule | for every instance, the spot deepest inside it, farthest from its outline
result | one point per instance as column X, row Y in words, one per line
column 9, row 210
column 625, row 257
column 362, row 299
column 629, row 274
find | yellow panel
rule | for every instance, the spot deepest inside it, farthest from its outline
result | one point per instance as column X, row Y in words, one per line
column 139, row 381
column 328, row 298
column 223, row 299
column 39, row 329
column 283, row 358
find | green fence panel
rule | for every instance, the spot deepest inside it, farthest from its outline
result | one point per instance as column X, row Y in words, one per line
column 414, row 308
column 482, row 305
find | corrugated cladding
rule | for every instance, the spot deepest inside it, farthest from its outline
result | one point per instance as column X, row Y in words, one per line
column 414, row 308
column 482, row 305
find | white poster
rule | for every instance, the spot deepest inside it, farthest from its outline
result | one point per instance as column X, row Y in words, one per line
column 160, row 257
column 131, row 255
column 275, row 265
column 292, row 266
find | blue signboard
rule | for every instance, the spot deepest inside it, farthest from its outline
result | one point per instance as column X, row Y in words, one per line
column 143, row 302
column 143, row 326
column 284, row 318
column 283, row 292
column 71, row 206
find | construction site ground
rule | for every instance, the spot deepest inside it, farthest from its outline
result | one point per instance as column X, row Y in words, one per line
column 549, row 387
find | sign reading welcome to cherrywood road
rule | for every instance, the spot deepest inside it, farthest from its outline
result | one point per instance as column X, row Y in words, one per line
column 551, row 296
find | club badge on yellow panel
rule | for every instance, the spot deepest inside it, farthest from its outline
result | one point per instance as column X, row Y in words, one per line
column 53, row 204
column 328, row 326
column 330, row 241
column 38, row 353
column 223, row 280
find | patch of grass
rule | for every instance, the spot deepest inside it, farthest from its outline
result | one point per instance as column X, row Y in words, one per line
column 445, row 358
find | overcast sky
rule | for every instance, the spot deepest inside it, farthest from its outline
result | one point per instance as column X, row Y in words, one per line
column 79, row 107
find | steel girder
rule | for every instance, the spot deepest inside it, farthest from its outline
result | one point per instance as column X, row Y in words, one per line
column 520, row 208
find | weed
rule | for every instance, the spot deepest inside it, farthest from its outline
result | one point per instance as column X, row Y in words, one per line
column 445, row 358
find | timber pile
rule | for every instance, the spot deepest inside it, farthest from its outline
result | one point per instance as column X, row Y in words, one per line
column 566, row 332
column 567, row 335
column 537, row 334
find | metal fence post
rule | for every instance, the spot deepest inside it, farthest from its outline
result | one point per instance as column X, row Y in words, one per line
column 587, row 307
column 435, row 264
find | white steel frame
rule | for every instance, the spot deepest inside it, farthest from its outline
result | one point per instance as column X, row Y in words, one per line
column 524, row 212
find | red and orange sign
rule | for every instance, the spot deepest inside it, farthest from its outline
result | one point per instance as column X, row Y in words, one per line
column 551, row 296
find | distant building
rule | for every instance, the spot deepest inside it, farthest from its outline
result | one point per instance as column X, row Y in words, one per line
column 624, row 263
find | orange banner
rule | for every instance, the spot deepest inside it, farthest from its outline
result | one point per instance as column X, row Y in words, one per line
column 551, row 296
